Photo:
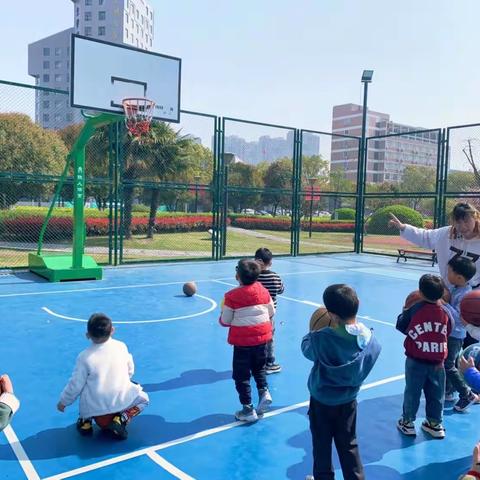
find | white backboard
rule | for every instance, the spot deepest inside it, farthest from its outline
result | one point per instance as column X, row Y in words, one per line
column 104, row 73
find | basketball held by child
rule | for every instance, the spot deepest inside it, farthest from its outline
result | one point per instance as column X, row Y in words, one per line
column 413, row 298
column 321, row 319
column 103, row 421
column 189, row 289
column 470, row 308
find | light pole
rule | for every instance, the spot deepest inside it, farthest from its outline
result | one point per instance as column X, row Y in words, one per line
column 197, row 179
column 362, row 164
column 311, row 181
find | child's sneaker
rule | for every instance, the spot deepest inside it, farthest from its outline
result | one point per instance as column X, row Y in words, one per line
column 465, row 402
column 272, row 368
column 85, row 426
column 407, row 428
column 309, row 477
column 118, row 427
column 264, row 402
column 450, row 397
column 247, row 414
column 436, row 430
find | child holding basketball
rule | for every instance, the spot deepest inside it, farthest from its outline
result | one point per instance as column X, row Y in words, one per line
column 101, row 379
column 9, row 403
column 343, row 354
column 273, row 283
column 248, row 310
column 427, row 327
column 459, row 271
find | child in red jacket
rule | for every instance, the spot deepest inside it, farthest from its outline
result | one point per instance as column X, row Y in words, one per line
column 248, row 310
column 427, row 327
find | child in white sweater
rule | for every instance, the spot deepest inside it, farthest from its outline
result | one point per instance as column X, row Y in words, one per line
column 101, row 379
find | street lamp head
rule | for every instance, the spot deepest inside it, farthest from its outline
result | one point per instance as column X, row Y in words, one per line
column 196, row 178
column 367, row 76
column 311, row 181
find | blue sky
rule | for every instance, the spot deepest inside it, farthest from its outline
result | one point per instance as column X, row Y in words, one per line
column 288, row 62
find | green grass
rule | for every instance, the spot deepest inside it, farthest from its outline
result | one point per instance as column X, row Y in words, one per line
column 198, row 244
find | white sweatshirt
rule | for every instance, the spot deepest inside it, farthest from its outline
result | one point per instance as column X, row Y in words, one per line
column 101, row 378
column 440, row 241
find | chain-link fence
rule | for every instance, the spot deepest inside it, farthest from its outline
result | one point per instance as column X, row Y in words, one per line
column 213, row 187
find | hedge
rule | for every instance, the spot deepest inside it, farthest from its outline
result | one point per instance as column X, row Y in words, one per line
column 343, row 214
column 378, row 222
column 284, row 224
column 27, row 229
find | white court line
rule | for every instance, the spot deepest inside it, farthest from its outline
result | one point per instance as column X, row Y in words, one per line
column 297, row 273
column 20, row 453
column 169, row 319
column 93, row 289
column 177, row 473
column 194, row 436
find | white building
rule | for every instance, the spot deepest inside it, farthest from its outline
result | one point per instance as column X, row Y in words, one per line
column 118, row 21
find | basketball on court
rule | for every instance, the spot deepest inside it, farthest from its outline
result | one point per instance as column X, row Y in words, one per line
column 470, row 308
column 189, row 289
column 104, row 420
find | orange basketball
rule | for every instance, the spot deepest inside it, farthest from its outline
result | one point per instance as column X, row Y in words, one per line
column 413, row 298
column 104, row 420
column 189, row 289
column 321, row 319
column 470, row 308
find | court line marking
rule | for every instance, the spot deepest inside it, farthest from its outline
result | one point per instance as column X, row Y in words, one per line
column 194, row 436
column 295, row 273
column 314, row 304
column 213, row 306
column 169, row 467
column 20, row 453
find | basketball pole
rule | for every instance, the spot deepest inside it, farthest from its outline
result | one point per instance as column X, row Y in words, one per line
column 76, row 266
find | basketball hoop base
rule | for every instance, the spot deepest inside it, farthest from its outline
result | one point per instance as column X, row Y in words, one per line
column 58, row 268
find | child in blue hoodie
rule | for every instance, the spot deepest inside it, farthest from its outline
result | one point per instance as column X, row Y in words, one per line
column 460, row 271
column 343, row 356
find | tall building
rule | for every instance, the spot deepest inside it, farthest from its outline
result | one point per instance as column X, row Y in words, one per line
column 386, row 157
column 119, row 21
column 268, row 148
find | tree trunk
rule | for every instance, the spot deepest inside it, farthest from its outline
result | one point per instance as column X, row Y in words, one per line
column 153, row 212
column 127, row 212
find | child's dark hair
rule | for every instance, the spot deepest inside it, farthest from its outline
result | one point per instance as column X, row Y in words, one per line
column 99, row 326
column 341, row 300
column 463, row 266
column 248, row 271
column 265, row 255
column 431, row 287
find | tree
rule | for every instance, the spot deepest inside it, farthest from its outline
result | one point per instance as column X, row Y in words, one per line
column 27, row 148
column 278, row 176
column 418, row 178
column 470, row 150
column 242, row 175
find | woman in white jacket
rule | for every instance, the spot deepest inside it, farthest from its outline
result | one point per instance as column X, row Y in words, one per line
column 461, row 237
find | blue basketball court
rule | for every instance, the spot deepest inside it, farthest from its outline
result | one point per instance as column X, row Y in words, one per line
column 184, row 363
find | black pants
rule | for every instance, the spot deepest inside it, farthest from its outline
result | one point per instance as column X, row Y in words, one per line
column 337, row 423
column 249, row 361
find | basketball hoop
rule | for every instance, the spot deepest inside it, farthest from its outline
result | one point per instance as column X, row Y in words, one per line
column 138, row 115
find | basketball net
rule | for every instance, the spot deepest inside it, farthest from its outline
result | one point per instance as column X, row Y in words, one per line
column 138, row 115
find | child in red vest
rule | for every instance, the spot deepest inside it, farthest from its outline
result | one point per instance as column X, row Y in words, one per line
column 248, row 311
column 427, row 327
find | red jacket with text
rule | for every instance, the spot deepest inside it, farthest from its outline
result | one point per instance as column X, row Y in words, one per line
column 248, row 311
column 427, row 327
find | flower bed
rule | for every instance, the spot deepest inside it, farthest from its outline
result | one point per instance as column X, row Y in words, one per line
column 284, row 224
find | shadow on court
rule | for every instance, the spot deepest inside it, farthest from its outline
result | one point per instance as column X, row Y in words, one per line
column 188, row 379
column 144, row 431
column 376, row 432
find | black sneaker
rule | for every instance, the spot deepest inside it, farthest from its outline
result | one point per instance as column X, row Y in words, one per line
column 436, row 430
column 407, row 428
column 85, row 427
column 272, row 368
column 464, row 402
column 118, row 427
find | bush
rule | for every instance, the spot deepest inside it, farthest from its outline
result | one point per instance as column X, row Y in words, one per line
column 378, row 222
column 343, row 214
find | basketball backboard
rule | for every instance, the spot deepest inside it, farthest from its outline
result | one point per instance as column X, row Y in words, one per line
column 104, row 73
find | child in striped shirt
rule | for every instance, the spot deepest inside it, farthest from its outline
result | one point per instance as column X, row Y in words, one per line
column 273, row 283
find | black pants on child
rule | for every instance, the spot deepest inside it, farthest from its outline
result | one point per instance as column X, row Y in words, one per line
column 337, row 423
column 249, row 361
